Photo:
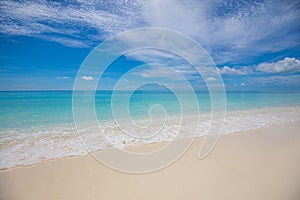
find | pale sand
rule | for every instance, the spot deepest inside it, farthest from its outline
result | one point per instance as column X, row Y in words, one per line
column 262, row 164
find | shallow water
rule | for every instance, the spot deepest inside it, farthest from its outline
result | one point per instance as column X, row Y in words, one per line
column 39, row 125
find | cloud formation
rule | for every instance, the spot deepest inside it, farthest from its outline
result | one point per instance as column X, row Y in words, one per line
column 87, row 78
column 62, row 77
column 287, row 65
column 76, row 24
column 154, row 71
column 235, row 71
column 284, row 66
column 210, row 79
column 231, row 31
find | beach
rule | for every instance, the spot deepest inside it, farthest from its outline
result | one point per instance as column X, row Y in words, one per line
column 149, row 100
column 254, row 164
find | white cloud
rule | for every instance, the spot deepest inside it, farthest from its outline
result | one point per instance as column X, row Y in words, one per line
column 174, row 73
column 87, row 78
column 241, row 28
column 235, row 71
column 157, row 72
column 66, row 41
column 151, row 55
column 62, row 77
column 287, row 65
column 210, row 79
column 284, row 66
column 229, row 31
column 60, row 22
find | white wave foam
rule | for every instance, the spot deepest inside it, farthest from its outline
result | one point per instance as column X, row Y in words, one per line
column 29, row 146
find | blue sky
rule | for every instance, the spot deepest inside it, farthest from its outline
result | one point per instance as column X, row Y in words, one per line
column 255, row 44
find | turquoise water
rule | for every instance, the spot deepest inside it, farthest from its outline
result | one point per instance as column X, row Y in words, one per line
column 38, row 125
column 51, row 108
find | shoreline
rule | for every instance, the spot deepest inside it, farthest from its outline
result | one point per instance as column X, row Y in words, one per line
column 33, row 145
column 254, row 164
column 137, row 146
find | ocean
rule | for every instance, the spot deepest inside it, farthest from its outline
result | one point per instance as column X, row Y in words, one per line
column 39, row 125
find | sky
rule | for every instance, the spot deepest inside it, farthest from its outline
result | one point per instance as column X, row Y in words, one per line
column 254, row 44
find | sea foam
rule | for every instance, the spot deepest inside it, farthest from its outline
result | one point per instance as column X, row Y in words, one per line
column 26, row 146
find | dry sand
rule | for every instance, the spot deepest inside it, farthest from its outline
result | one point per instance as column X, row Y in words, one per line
column 261, row 164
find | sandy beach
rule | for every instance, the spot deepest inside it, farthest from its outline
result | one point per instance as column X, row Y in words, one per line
column 257, row 164
column 149, row 100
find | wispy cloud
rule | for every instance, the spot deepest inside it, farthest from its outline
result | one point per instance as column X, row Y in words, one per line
column 210, row 79
column 174, row 73
column 279, row 82
column 62, row 77
column 231, row 31
column 87, row 78
column 69, row 23
column 235, row 71
column 151, row 55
